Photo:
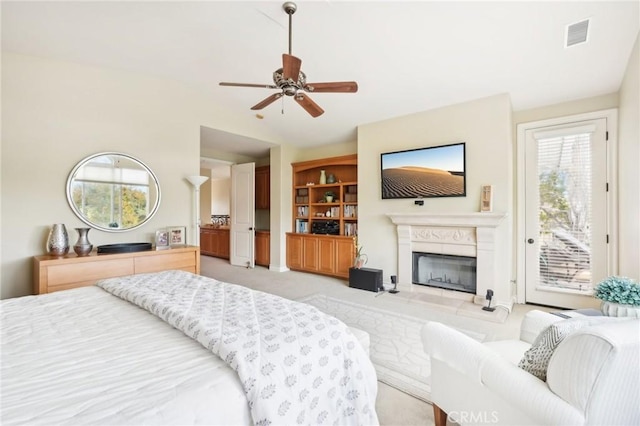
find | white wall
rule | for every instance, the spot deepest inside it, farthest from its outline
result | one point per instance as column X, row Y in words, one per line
column 326, row 151
column 596, row 103
column 281, row 158
column 205, row 197
column 485, row 126
column 56, row 113
column 221, row 196
column 629, row 170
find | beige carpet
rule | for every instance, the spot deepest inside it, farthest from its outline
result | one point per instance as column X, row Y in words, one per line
column 393, row 407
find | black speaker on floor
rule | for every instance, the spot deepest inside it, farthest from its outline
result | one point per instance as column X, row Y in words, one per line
column 366, row 279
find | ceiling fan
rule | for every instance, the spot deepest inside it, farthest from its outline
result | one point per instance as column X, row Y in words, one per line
column 293, row 82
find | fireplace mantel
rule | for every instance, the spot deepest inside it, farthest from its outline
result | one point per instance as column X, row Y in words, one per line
column 463, row 234
column 468, row 220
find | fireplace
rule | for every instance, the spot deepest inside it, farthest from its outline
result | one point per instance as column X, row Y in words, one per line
column 454, row 234
column 445, row 271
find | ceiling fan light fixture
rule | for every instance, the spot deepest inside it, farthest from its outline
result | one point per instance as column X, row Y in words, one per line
column 281, row 82
column 292, row 81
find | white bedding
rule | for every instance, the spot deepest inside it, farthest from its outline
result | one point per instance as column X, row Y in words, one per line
column 297, row 364
column 86, row 357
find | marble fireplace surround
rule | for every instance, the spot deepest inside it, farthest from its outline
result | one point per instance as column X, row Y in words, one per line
column 459, row 234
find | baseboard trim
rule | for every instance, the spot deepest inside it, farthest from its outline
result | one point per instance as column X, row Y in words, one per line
column 276, row 268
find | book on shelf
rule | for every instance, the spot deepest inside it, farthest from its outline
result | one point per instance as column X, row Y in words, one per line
column 350, row 211
column 302, row 226
column 350, row 229
column 303, row 211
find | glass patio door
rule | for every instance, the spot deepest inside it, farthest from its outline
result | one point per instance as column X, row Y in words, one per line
column 566, row 213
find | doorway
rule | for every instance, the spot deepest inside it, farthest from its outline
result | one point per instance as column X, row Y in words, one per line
column 565, row 209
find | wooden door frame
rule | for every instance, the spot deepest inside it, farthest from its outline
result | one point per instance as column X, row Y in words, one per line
column 611, row 116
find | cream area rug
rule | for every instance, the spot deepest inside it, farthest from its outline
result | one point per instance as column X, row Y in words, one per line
column 465, row 308
column 396, row 347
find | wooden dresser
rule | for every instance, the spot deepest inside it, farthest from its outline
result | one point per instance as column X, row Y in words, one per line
column 51, row 273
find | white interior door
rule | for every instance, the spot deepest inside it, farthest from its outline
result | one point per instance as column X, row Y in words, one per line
column 566, row 223
column 242, row 245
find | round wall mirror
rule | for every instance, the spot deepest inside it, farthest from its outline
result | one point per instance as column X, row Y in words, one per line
column 113, row 192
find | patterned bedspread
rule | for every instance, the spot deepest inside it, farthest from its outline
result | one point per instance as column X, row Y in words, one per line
column 296, row 364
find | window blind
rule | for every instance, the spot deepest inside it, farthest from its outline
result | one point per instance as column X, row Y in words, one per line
column 565, row 181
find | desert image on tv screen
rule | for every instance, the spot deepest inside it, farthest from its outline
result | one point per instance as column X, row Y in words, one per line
column 428, row 172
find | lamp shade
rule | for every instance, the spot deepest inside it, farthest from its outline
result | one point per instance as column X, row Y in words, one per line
column 196, row 181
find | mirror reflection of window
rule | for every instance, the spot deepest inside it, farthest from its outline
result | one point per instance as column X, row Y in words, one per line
column 113, row 192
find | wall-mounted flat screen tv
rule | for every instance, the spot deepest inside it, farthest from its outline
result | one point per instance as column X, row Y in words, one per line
column 435, row 171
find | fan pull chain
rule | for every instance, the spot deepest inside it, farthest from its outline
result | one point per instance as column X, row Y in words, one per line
column 282, row 102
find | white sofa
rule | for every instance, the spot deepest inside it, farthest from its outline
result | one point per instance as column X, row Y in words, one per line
column 593, row 376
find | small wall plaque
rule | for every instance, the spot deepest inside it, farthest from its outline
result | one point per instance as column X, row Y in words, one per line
column 486, row 198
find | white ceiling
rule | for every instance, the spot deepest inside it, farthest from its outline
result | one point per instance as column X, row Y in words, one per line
column 406, row 56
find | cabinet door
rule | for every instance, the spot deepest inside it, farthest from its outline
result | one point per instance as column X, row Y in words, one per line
column 326, row 256
column 262, row 249
column 215, row 244
column 345, row 254
column 294, row 251
column 223, row 244
column 263, row 187
column 310, row 254
column 206, row 242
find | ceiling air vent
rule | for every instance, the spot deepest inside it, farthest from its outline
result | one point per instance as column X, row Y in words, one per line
column 577, row 33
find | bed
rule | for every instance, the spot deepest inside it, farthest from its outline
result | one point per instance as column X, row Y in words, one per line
column 90, row 356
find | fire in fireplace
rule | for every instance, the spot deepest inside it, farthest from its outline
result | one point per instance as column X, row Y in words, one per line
column 445, row 271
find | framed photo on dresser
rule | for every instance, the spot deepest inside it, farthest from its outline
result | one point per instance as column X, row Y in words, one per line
column 162, row 239
column 177, row 235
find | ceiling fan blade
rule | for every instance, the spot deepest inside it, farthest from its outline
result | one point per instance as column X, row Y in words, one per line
column 262, row 86
column 290, row 67
column 310, row 106
column 335, row 86
column 268, row 101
